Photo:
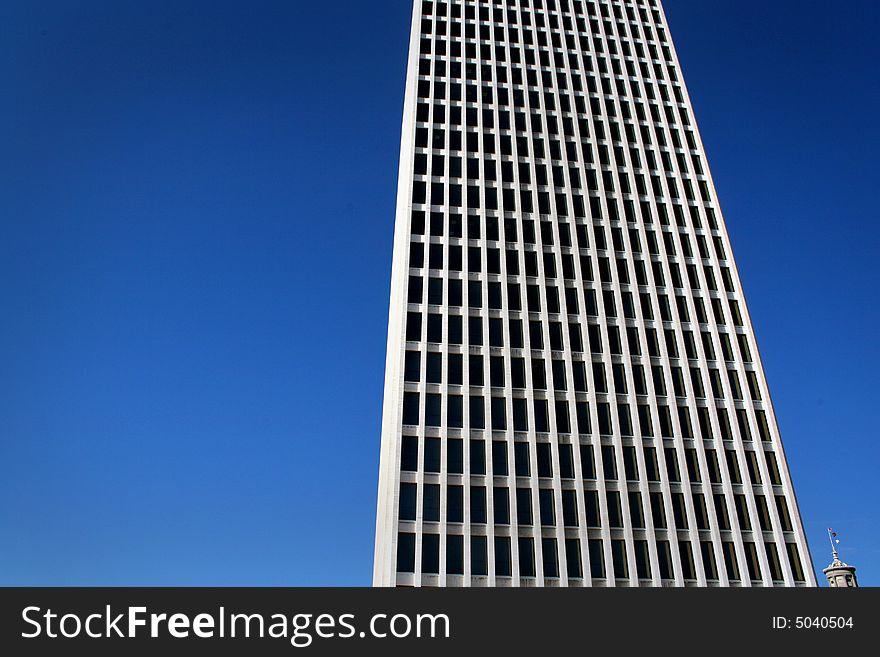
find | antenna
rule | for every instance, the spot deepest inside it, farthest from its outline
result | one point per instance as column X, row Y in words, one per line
column 833, row 540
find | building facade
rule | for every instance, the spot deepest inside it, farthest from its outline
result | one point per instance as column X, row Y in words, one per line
column 573, row 392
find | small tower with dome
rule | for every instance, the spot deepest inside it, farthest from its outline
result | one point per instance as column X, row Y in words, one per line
column 838, row 573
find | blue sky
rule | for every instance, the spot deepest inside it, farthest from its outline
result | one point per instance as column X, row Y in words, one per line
column 196, row 206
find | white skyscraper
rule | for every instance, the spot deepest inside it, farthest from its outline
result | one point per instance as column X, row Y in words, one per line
column 573, row 391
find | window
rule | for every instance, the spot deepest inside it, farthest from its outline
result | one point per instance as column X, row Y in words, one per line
column 630, row 465
column 609, row 462
column 566, row 462
column 435, row 291
column 618, row 556
column 455, row 456
column 499, row 414
column 708, row 553
column 521, row 459
column 432, row 455
column 501, row 506
column 664, row 560
column 643, row 561
column 479, row 556
column 455, row 504
column 433, row 415
column 478, row 505
column 407, row 501
column 431, row 553
column 455, row 369
column 409, row 454
column 597, row 558
column 550, row 557
column 636, row 513
column 520, row 415
column 526, row 557
column 591, row 502
column 658, row 510
column 547, row 507
column 412, row 366
column 411, row 408
column 477, row 412
column 434, row 367
column 524, row 506
column 542, row 418
column 499, row 458
column 545, row 464
column 794, row 561
column 773, row 561
column 435, row 328
column 784, row 517
column 573, row 558
column 431, row 503
column 588, row 466
column 615, row 512
column 475, row 369
column 478, row 456
column 406, row 553
column 754, row 567
column 502, row 556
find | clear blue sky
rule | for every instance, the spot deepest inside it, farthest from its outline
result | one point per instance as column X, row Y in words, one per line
column 196, row 205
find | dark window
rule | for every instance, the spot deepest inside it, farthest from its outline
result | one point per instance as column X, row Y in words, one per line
column 524, row 506
column 597, row 558
column 413, row 327
column 433, row 416
column 455, row 504
column 409, row 454
column 664, row 558
column 455, row 554
column 521, row 459
column 478, row 457
column 408, row 501
column 455, row 456
column 618, row 556
column 547, row 507
column 542, row 419
column 502, row 556
column 431, row 553
column 435, row 291
column 411, row 408
column 477, row 412
column 435, row 328
column 406, row 553
column 479, row 556
column 545, row 462
column 566, row 462
column 609, row 462
column 499, row 458
column 496, row 371
column 431, row 503
column 434, row 367
column 501, row 506
column 455, row 369
column 499, row 414
column 478, row 504
column 526, row 557
column 591, row 502
column 573, row 557
column 412, row 366
column 550, row 557
column 588, row 465
column 432, row 455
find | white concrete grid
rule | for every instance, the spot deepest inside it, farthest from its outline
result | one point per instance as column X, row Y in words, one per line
column 621, row 56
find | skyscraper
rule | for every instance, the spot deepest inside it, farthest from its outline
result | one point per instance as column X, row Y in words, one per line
column 573, row 392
